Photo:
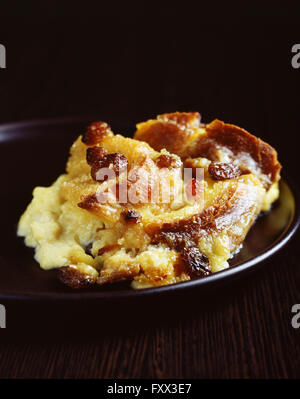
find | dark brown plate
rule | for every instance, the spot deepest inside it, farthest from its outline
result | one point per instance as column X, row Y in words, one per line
column 35, row 153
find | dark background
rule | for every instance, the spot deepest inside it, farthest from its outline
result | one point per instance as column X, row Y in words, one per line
column 128, row 64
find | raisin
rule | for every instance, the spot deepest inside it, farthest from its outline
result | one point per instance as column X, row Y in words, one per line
column 194, row 189
column 74, row 278
column 197, row 263
column 117, row 162
column 88, row 249
column 94, row 154
column 89, row 202
column 130, row 216
column 167, row 161
column 95, row 133
column 223, row 171
column 185, row 119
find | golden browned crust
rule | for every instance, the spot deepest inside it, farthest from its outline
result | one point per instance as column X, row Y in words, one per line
column 186, row 232
column 165, row 135
column 223, row 214
column 115, row 162
column 183, row 236
column 90, row 202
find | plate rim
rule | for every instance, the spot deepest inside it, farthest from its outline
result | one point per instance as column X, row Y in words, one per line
column 207, row 282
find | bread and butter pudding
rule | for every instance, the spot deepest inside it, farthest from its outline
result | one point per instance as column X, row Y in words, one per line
column 86, row 227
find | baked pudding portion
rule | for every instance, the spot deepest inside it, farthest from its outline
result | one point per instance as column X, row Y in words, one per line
column 124, row 209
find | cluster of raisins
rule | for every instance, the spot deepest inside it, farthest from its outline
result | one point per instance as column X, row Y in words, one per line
column 95, row 133
column 130, row 216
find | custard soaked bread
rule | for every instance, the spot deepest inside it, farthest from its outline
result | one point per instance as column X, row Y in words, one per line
column 107, row 219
